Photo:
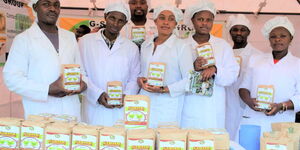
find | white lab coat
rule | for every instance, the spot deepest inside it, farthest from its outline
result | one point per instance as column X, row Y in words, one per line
column 33, row 64
column 120, row 63
column 167, row 107
column 209, row 112
column 234, row 104
column 284, row 76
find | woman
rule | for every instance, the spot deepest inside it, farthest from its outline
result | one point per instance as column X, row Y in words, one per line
column 203, row 111
column 166, row 100
column 279, row 69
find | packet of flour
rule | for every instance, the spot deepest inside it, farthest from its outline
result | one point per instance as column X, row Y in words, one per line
column 71, row 77
column 10, row 133
column 140, row 139
column 85, row 137
column 115, row 93
column 112, row 138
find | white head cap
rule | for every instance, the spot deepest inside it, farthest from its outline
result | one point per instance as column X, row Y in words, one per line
column 200, row 6
column 31, row 2
column 277, row 22
column 239, row 19
column 176, row 11
column 119, row 7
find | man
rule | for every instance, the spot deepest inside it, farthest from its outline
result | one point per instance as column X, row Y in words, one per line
column 139, row 28
column 81, row 31
column 239, row 28
column 107, row 56
column 33, row 68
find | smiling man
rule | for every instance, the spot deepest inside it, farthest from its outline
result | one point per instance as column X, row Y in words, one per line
column 33, row 68
column 107, row 56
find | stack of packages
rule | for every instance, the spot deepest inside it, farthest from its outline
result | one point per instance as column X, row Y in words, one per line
column 285, row 135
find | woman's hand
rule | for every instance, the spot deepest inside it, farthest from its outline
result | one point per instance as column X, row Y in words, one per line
column 252, row 103
column 275, row 108
column 141, row 82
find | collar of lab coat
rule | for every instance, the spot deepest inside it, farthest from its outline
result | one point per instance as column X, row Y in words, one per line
column 270, row 59
column 118, row 41
column 194, row 43
column 169, row 43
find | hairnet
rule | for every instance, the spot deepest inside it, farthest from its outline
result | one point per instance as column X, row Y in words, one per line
column 119, row 7
column 200, row 6
column 239, row 19
column 277, row 22
column 176, row 11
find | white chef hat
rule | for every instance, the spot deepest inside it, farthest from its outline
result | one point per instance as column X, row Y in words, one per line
column 275, row 22
column 119, row 7
column 31, row 2
column 239, row 19
column 200, row 6
column 176, row 11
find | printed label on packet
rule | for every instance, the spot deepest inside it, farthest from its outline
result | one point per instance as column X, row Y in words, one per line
column 265, row 96
column 9, row 136
column 171, row 145
column 140, row 144
column 201, row 144
column 55, row 141
column 274, row 146
column 84, row 142
column 138, row 35
column 32, row 137
column 71, row 78
column 156, row 74
column 136, row 112
column 205, row 50
column 112, row 142
column 115, row 94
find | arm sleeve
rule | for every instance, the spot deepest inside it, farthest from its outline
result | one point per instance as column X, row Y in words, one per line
column 16, row 72
column 246, row 81
column 185, row 60
column 228, row 68
column 296, row 98
column 132, row 87
column 93, row 92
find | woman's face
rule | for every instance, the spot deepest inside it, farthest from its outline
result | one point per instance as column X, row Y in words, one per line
column 203, row 22
column 280, row 39
column 165, row 22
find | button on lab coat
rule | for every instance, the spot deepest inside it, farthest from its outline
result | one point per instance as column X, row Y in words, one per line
column 284, row 76
column 120, row 63
column 234, row 104
column 209, row 112
column 33, row 64
column 177, row 56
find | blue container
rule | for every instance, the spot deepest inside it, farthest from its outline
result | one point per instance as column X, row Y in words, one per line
column 249, row 137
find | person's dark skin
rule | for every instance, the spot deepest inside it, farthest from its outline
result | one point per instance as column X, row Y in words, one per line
column 47, row 13
column 139, row 10
column 280, row 39
column 239, row 35
column 203, row 22
column 114, row 23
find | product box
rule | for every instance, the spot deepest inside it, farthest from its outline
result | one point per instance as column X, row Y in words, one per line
column 85, row 137
column 138, row 34
column 112, row 138
column 156, row 73
column 10, row 133
column 221, row 136
column 200, row 140
column 71, row 77
column 205, row 50
column 140, row 139
column 58, row 136
column 265, row 96
column 171, row 139
column 115, row 93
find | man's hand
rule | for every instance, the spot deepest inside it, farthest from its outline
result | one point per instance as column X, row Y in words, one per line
column 199, row 62
column 275, row 108
column 103, row 100
column 252, row 103
column 208, row 73
column 56, row 89
column 141, row 82
column 83, row 87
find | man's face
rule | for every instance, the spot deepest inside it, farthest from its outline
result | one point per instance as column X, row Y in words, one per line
column 47, row 11
column 115, row 21
column 203, row 22
column 138, row 7
column 239, row 33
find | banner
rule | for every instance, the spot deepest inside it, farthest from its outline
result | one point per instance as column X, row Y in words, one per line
column 72, row 23
column 14, row 18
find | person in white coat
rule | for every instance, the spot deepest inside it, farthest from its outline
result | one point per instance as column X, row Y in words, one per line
column 279, row 69
column 166, row 100
column 33, row 68
column 239, row 28
column 139, row 20
column 204, row 111
column 107, row 56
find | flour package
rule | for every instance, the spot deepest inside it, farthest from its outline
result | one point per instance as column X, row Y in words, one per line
column 10, row 133
column 156, row 73
column 221, row 136
column 140, row 139
column 205, row 50
column 41, row 117
column 138, row 34
column 71, row 77
column 85, row 137
column 171, row 139
column 278, row 141
column 136, row 111
column 112, row 138
column 64, row 118
column 195, row 84
column 58, row 136
column 265, row 96
column 33, row 135
column 115, row 93
column 200, row 140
